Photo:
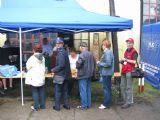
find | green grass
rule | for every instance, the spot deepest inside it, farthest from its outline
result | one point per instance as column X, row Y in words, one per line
column 97, row 92
column 150, row 93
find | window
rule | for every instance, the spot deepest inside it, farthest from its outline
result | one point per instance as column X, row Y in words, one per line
column 80, row 37
column 151, row 11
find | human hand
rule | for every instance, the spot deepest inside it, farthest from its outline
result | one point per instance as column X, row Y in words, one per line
column 123, row 59
column 52, row 74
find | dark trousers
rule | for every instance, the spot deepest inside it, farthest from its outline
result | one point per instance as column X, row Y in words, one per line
column 73, row 88
column 38, row 94
column 60, row 89
column 107, row 90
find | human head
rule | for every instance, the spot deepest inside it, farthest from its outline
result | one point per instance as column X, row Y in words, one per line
column 37, row 48
column 83, row 46
column 130, row 42
column 45, row 41
column 106, row 44
column 73, row 52
column 59, row 42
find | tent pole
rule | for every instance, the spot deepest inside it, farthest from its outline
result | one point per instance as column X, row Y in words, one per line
column 31, row 30
column 20, row 46
column 8, row 30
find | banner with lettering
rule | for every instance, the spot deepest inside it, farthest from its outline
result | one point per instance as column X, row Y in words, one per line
column 150, row 53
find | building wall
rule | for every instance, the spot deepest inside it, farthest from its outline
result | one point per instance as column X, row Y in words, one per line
column 131, row 11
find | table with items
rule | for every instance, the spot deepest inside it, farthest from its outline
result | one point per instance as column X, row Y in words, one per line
column 48, row 75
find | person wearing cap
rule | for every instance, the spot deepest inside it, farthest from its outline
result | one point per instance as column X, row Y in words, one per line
column 128, row 64
column 85, row 71
column 62, row 74
column 106, row 67
column 36, row 77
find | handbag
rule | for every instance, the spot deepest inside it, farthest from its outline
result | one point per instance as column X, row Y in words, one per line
column 137, row 72
column 58, row 79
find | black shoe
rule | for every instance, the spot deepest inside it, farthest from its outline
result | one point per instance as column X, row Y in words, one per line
column 2, row 92
column 66, row 107
column 54, row 108
column 125, row 106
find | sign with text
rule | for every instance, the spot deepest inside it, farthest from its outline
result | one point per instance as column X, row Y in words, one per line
column 150, row 53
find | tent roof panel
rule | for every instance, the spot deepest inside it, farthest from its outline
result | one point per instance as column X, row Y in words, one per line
column 57, row 14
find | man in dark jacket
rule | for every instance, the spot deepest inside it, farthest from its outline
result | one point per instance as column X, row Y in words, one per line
column 62, row 74
column 85, row 66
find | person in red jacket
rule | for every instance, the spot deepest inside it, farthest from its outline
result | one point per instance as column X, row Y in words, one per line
column 128, row 64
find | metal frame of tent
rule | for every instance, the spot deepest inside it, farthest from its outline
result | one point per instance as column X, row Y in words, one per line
column 20, row 46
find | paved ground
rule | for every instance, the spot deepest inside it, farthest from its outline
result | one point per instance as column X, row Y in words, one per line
column 11, row 109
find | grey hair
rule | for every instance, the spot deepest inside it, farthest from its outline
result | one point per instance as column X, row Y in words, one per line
column 86, row 48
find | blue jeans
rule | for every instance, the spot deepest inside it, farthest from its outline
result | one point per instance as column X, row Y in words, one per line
column 85, row 92
column 60, row 89
column 38, row 94
column 107, row 90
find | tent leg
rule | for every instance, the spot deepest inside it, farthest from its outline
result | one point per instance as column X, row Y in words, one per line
column 20, row 46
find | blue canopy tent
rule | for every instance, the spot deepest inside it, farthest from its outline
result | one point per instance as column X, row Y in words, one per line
column 22, row 16
column 65, row 15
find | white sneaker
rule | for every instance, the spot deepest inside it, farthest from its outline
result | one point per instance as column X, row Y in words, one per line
column 78, row 107
column 102, row 107
column 5, row 88
column 32, row 107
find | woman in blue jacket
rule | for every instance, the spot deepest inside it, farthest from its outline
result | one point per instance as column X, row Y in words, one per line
column 106, row 65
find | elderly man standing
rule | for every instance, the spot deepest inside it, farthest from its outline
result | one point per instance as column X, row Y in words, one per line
column 62, row 74
column 85, row 70
column 128, row 64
